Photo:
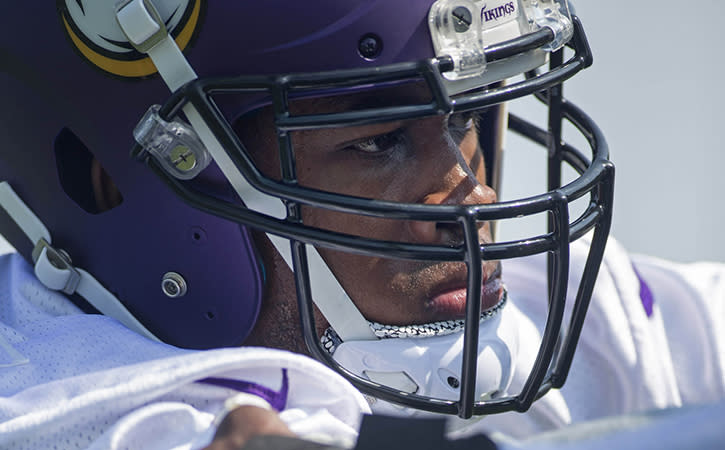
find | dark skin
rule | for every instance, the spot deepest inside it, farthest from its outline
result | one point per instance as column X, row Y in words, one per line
column 245, row 422
column 434, row 160
column 278, row 322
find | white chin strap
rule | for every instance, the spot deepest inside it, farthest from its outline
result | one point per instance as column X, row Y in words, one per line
column 431, row 366
column 54, row 269
column 144, row 28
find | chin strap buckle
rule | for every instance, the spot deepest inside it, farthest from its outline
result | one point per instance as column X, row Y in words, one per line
column 54, row 268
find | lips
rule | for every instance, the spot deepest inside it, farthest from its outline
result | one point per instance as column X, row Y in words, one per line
column 449, row 302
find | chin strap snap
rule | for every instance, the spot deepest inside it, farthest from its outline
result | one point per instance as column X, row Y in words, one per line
column 54, row 269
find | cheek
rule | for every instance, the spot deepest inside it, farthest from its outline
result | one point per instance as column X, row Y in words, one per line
column 341, row 174
column 367, row 279
column 381, row 288
column 353, row 224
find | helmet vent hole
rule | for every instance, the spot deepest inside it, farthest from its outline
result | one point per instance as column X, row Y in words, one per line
column 81, row 175
column 453, row 382
column 197, row 235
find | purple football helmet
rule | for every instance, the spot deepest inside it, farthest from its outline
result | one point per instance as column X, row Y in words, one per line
column 152, row 90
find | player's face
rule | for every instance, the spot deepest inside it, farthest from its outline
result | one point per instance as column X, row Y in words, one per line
column 430, row 161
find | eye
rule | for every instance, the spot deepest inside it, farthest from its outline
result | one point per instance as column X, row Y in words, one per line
column 460, row 124
column 381, row 144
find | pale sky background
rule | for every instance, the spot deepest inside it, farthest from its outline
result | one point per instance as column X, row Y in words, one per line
column 656, row 89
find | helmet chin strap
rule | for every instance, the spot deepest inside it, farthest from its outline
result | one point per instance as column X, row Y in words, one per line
column 144, row 28
column 431, row 366
column 327, row 293
column 54, row 269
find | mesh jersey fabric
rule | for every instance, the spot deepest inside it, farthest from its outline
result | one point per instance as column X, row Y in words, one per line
column 71, row 380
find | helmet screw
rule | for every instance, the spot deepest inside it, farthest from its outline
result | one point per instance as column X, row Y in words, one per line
column 183, row 158
column 61, row 259
column 173, row 285
column 462, row 19
column 370, row 46
column 64, row 254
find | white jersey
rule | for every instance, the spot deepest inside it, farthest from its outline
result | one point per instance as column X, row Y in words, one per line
column 653, row 338
column 72, row 380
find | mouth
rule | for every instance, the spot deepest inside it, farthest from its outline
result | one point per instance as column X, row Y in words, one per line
column 449, row 300
column 446, row 309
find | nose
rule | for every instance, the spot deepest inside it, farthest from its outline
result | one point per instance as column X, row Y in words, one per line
column 450, row 180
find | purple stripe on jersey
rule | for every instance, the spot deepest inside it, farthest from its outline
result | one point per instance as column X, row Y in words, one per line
column 645, row 293
column 278, row 400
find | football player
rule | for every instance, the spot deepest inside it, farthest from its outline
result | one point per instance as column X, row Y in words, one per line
column 322, row 179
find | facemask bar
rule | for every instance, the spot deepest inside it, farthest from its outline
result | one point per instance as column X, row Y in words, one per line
column 604, row 194
column 596, row 178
